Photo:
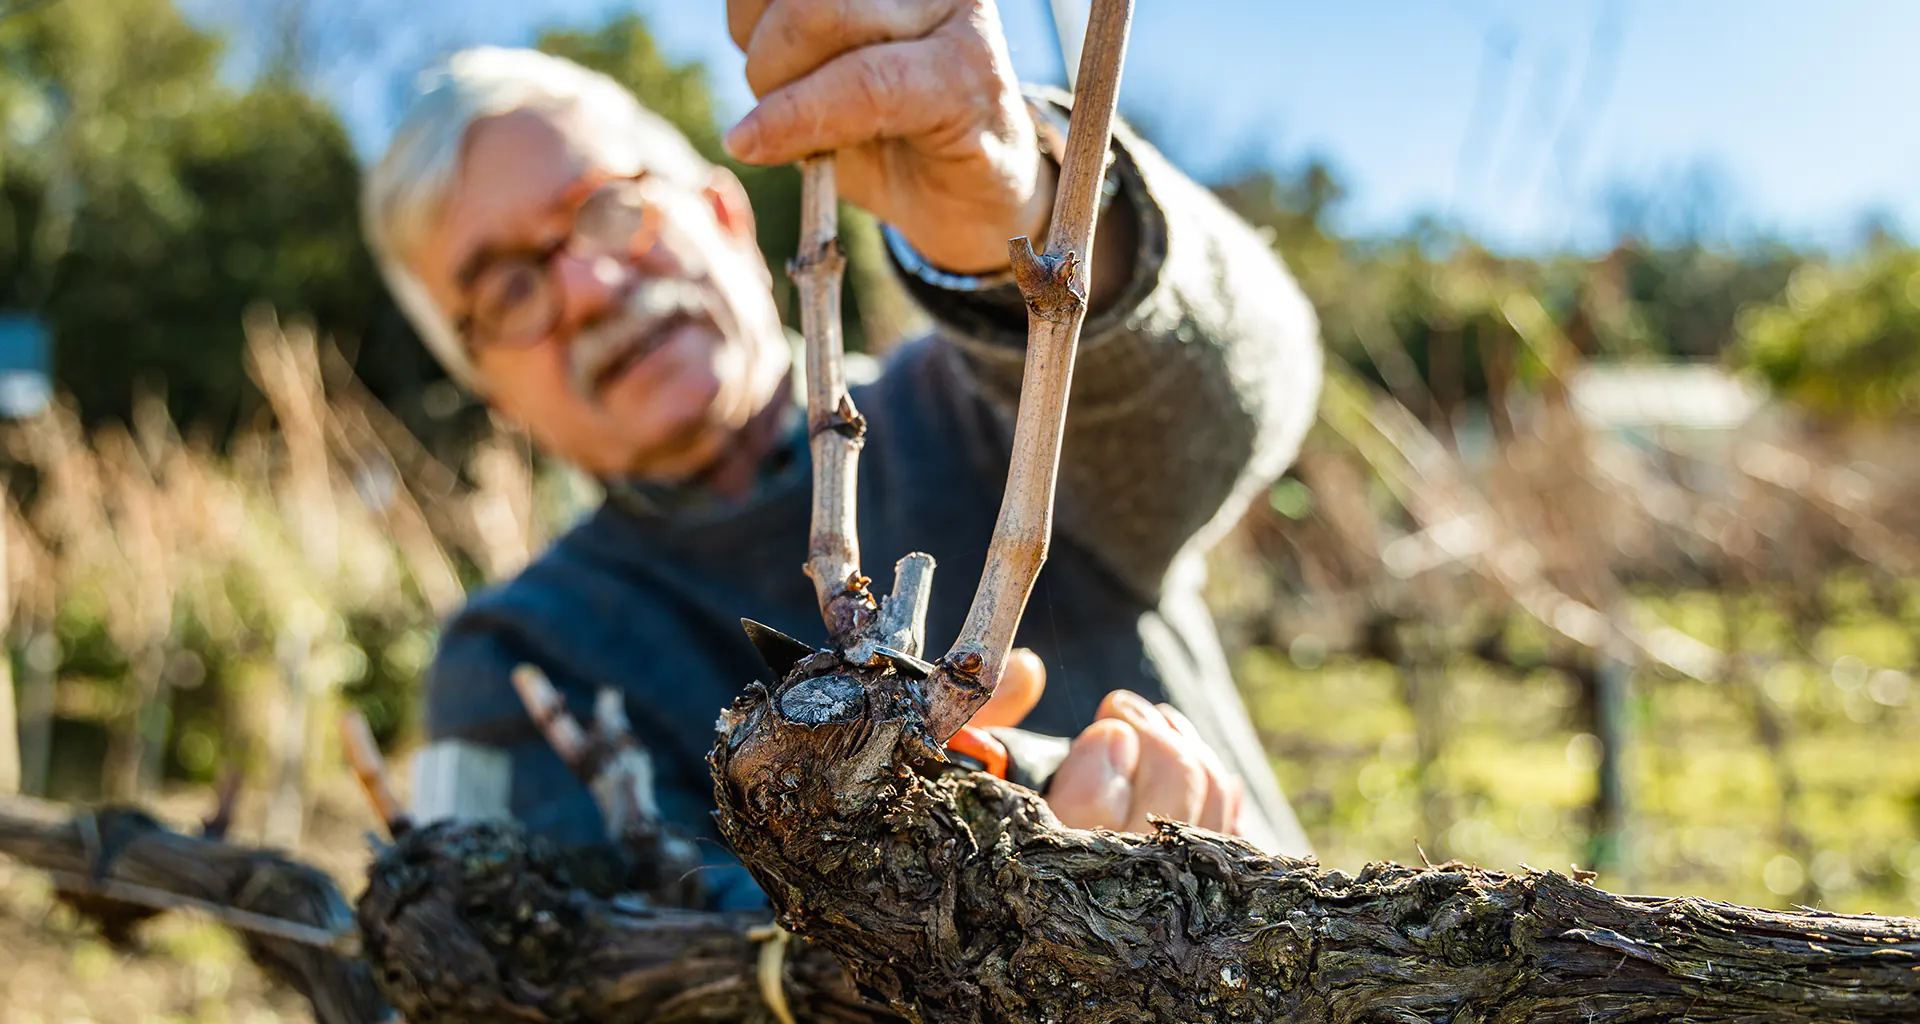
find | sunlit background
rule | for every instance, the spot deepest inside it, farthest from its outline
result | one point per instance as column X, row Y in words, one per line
column 1534, row 126
column 1605, row 551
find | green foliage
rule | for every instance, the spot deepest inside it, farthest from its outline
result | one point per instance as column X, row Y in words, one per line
column 623, row 50
column 1839, row 338
column 1684, row 299
column 270, row 186
column 149, row 205
column 1844, row 339
column 1511, row 779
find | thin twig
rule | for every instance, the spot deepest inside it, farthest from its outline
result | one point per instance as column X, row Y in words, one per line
column 344, row 943
column 835, row 428
column 608, row 760
column 215, row 825
column 548, row 711
column 1055, row 286
column 618, row 771
column 363, row 756
column 1429, row 481
column 770, row 969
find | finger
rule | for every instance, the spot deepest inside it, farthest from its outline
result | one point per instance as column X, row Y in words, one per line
column 1185, row 727
column 1093, row 788
column 794, row 37
column 1021, row 683
column 1217, row 812
column 893, row 90
column 1236, row 799
column 742, row 16
column 1171, row 780
column 1214, row 806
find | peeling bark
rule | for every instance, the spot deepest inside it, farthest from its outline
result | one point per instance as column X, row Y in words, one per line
column 482, row 923
column 958, row 897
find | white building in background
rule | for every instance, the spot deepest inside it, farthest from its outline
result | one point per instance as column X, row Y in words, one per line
column 1672, row 399
column 1684, row 421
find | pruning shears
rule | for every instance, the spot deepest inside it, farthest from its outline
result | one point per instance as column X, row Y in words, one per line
column 1016, row 755
column 980, row 750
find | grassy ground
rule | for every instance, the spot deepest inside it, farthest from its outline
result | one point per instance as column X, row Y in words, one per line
column 1710, row 811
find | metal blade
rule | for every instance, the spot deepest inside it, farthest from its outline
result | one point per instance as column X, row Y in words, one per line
column 780, row 651
column 904, row 663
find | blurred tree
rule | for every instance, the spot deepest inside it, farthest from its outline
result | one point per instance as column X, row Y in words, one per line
column 1685, row 297
column 1422, row 310
column 1844, row 340
column 147, row 205
column 625, row 51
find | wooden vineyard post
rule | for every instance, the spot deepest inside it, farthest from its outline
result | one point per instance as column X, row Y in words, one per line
column 287, row 797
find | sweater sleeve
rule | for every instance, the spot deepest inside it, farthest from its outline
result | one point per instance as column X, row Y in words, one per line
column 1191, row 393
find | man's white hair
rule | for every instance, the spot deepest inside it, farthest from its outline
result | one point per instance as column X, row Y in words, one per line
column 403, row 194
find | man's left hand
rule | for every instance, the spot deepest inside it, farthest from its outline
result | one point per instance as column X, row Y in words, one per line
column 1136, row 759
column 918, row 103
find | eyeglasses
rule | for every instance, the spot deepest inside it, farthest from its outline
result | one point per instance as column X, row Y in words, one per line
column 514, row 301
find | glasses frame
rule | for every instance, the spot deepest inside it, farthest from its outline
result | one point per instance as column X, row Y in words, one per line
column 616, row 219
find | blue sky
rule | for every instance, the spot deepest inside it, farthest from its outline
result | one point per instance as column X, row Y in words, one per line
column 1517, row 119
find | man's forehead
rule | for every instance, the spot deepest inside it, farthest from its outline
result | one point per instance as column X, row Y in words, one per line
column 618, row 143
column 535, row 154
column 519, row 168
column 526, row 149
column 515, row 169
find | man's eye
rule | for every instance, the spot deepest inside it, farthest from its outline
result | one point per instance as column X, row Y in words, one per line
column 506, row 290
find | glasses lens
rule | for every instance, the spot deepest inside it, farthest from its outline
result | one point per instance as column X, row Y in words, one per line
column 513, row 303
column 616, row 221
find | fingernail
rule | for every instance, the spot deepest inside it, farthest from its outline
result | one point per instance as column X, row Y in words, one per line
column 1132, row 706
column 1115, row 791
column 1122, row 757
column 741, row 140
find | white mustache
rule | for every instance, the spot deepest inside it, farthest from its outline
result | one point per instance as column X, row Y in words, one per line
column 613, row 337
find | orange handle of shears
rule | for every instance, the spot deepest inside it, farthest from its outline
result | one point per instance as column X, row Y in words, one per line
column 980, row 745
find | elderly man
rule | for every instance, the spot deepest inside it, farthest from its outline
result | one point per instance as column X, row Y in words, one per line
column 570, row 258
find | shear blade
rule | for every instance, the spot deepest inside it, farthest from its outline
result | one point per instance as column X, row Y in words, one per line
column 904, row 663
column 780, row 651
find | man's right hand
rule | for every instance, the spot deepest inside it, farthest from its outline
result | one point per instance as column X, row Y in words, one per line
column 1136, row 759
column 917, row 100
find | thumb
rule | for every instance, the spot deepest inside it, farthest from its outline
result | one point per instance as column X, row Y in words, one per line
column 1019, row 689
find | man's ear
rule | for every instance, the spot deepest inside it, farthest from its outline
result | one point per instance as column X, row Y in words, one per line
column 730, row 205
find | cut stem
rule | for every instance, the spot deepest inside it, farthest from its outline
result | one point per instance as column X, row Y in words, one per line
column 618, row 771
column 363, row 756
column 609, row 760
column 903, row 618
column 1055, row 285
column 834, row 427
column 902, row 623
